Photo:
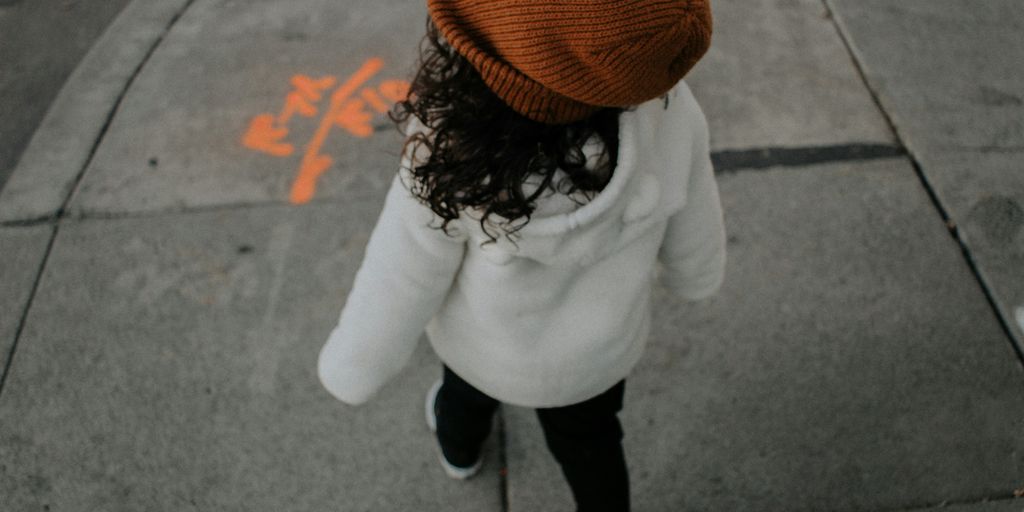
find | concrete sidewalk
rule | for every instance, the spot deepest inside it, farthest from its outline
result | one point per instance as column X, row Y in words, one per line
column 182, row 231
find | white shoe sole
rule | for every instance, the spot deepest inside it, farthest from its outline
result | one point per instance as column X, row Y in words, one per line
column 452, row 471
column 431, row 398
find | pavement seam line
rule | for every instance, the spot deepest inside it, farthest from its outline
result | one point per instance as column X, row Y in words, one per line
column 27, row 223
column 731, row 160
column 28, row 307
column 503, row 472
column 76, row 182
column 725, row 161
column 951, row 225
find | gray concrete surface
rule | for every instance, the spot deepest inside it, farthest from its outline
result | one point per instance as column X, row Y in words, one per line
column 942, row 69
column 838, row 369
column 945, row 71
column 60, row 148
column 222, row 65
column 851, row 361
column 41, row 42
column 176, row 141
column 23, row 250
column 778, row 75
column 170, row 363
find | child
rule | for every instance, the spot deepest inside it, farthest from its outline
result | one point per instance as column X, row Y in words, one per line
column 553, row 157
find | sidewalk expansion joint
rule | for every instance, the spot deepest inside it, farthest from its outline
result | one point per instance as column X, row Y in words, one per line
column 965, row 250
column 99, row 215
column 32, row 222
column 730, row 160
column 502, row 461
column 28, row 307
column 725, row 161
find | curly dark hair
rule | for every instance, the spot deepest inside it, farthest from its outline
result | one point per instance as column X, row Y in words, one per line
column 481, row 151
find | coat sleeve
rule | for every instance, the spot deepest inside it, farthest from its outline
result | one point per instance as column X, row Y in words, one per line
column 693, row 252
column 407, row 270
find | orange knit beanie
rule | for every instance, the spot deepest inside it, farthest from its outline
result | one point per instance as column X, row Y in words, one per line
column 558, row 61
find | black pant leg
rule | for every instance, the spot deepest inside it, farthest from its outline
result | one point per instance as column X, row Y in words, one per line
column 586, row 440
column 464, row 419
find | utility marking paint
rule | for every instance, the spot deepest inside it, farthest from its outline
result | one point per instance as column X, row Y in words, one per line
column 351, row 106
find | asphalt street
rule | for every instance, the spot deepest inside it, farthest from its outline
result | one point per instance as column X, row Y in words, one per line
column 41, row 43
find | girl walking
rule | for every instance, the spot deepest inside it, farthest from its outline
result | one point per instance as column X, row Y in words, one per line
column 553, row 158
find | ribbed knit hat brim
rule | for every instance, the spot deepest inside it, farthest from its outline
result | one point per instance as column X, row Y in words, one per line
column 559, row 61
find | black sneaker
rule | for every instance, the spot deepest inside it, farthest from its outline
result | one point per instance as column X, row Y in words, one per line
column 456, row 472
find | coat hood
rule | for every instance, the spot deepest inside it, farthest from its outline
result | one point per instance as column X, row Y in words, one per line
column 640, row 194
column 647, row 185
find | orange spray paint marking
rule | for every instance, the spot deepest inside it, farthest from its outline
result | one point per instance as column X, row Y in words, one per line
column 264, row 136
column 395, row 90
column 301, row 99
column 355, row 119
column 374, row 100
column 266, row 131
column 352, row 107
column 313, row 163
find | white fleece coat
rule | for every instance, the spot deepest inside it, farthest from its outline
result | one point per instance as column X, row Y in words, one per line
column 564, row 315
